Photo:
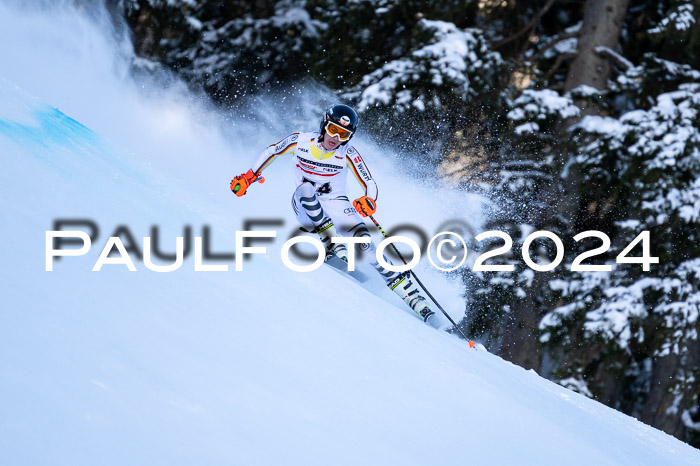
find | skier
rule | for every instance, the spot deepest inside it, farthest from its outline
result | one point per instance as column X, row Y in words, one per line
column 320, row 201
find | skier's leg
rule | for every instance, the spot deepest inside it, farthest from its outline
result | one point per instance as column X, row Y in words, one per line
column 405, row 287
column 350, row 223
column 360, row 230
column 311, row 215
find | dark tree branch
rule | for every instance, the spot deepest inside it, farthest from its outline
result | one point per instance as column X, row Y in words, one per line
column 558, row 38
column 535, row 19
column 611, row 55
column 557, row 64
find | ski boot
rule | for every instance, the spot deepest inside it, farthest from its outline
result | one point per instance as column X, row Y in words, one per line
column 327, row 231
column 409, row 292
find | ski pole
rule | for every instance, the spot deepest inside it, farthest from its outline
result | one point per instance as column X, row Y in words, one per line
column 471, row 343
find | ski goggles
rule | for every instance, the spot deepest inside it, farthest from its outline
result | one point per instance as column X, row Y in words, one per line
column 337, row 130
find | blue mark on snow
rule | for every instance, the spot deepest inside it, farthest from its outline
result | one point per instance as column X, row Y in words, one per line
column 59, row 140
column 51, row 129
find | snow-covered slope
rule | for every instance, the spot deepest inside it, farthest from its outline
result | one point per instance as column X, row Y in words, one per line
column 264, row 366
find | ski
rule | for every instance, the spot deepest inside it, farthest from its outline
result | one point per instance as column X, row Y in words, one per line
column 342, row 266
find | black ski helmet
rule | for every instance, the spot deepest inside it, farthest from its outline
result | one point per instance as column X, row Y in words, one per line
column 341, row 115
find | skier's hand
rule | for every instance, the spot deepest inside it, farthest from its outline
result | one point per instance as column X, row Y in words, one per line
column 365, row 205
column 240, row 183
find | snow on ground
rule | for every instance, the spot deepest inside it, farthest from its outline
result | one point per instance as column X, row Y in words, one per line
column 264, row 366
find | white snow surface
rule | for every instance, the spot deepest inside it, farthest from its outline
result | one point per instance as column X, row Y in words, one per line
column 264, row 366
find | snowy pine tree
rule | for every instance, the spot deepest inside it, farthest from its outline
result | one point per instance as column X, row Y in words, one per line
column 229, row 49
column 636, row 317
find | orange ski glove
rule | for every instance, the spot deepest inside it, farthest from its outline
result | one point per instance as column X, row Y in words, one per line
column 240, row 183
column 365, row 206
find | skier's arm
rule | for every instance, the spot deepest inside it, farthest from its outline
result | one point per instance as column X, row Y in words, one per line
column 357, row 165
column 367, row 204
column 286, row 146
column 240, row 184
